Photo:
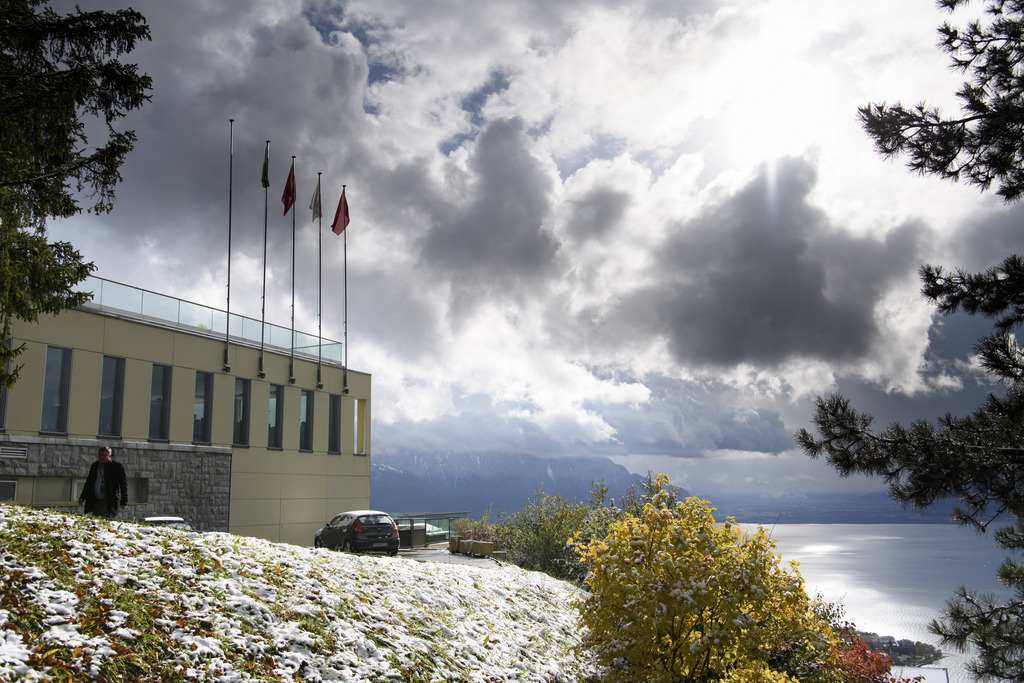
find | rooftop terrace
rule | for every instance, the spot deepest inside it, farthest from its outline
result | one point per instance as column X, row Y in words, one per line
column 114, row 297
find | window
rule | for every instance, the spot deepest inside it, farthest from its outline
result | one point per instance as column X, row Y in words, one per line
column 275, row 416
column 241, row 412
column 138, row 490
column 306, row 421
column 111, row 397
column 52, row 490
column 56, row 383
column 360, row 440
column 201, row 407
column 334, row 425
column 160, row 403
column 8, row 489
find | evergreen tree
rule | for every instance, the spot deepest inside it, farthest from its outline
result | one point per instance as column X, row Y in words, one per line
column 59, row 75
column 978, row 459
column 985, row 143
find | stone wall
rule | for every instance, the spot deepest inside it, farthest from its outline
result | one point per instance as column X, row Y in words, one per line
column 193, row 482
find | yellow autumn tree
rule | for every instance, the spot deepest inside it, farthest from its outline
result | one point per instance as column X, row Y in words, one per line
column 674, row 596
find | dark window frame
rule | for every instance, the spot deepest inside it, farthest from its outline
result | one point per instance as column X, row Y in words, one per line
column 63, row 392
column 116, row 403
column 240, row 413
column 275, row 411
column 202, row 427
column 334, row 424
column 306, row 421
column 161, row 430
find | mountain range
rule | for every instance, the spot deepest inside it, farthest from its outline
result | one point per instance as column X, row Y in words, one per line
column 409, row 481
column 434, row 481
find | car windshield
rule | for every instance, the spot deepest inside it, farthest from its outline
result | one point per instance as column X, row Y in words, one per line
column 375, row 519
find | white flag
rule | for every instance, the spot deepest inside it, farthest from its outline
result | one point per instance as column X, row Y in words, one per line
column 314, row 203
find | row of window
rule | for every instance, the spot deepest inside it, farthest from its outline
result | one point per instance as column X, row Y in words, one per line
column 159, row 407
column 57, row 385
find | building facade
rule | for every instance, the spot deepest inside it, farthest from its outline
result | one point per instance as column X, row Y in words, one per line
column 261, row 433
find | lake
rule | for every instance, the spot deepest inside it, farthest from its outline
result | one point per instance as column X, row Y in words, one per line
column 893, row 579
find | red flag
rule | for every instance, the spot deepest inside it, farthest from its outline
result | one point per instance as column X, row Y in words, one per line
column 288, row 198
column 341, row 218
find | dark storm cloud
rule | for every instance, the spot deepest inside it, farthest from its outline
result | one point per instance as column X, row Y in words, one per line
column 395, row 316
column 889, row 407
column 596, row 213
column 763, row 277
column 986, row 239
column 493, row 242
column 478, row 427
column 274, row 75
column 682, row 419
column 953, row 338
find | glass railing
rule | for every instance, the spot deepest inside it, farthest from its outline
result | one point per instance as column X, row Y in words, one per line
column 424, row 529
column 110, row 294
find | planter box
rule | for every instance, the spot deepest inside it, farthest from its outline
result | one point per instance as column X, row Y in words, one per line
column 485, row 548
column 412, row 537
column 465, row 545
column 453, row 544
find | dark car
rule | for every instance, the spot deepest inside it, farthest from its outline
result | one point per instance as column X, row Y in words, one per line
column 360, row 530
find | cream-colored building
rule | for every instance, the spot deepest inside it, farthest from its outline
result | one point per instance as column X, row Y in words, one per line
column 261, row 433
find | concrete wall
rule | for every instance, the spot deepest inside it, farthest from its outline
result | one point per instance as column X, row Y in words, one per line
column 189, row 481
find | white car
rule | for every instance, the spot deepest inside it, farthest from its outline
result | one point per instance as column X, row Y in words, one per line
column 173, row 522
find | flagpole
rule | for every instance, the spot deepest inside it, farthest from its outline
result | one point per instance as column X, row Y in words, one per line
column 231, row 173
column 344, row 374
column 339, row 226
column 291, row 359
column 266, row 189
column 319, row 289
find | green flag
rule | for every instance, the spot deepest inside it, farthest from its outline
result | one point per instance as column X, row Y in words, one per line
column 266, row 166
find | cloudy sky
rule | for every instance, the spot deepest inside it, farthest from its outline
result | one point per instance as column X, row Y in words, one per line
column 649, row 230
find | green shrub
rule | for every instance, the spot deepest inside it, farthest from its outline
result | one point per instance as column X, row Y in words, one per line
column 474, row 530
column 537, row 536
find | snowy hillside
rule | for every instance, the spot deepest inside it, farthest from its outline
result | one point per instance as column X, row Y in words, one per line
column 120, row 601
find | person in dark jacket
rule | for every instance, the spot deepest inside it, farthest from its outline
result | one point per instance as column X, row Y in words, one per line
column 106, row 487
